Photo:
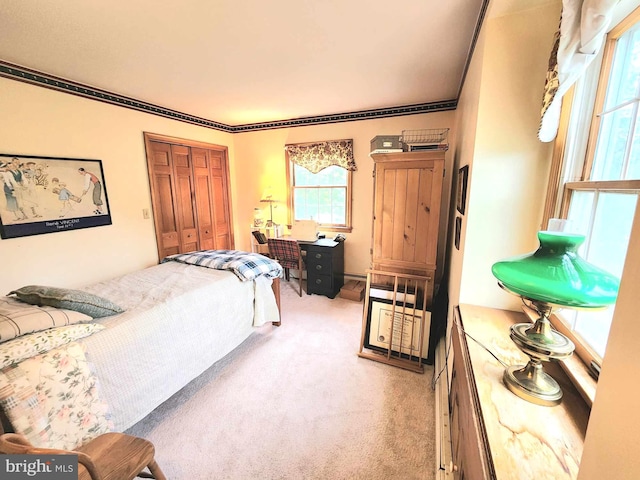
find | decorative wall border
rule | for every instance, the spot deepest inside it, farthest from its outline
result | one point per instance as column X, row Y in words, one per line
column 23, row 74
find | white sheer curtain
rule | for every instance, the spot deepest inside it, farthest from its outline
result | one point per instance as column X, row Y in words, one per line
column 583, row 26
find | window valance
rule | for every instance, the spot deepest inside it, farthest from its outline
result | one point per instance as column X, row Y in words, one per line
column 320, row 155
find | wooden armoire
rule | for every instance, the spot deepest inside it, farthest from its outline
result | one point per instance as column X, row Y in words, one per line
column 190, row 193
column 407, row 199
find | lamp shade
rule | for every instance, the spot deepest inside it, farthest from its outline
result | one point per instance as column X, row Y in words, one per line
column 556, row 274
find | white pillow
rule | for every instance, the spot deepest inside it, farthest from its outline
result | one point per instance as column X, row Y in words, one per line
column 19, row 318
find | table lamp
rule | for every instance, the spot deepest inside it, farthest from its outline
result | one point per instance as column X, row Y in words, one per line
column 553, row 276
column 267, row 196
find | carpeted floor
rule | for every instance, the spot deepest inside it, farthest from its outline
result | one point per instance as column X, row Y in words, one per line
column 296, row 402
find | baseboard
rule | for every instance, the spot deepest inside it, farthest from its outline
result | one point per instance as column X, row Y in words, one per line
column 443, row 437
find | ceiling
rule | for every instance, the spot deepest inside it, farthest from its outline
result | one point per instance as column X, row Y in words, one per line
column 241, row 62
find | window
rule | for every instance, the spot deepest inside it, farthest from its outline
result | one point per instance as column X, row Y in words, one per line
column 319, row 178
column 601, row 174
column 321, row 196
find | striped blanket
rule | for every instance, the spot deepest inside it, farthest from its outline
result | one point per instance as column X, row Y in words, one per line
column 246, row 265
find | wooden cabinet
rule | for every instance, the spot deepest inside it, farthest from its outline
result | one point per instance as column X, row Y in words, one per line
column 325, row 267
column 190, row 195
column 407, row 199
column 494, row 433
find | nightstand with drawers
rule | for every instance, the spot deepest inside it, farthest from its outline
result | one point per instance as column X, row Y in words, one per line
column 325, row 267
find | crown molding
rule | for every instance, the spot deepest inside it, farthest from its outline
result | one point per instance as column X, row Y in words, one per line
column 27, row 75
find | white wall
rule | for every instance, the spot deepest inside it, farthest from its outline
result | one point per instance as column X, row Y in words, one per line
column 261, row 156
column 39, row 121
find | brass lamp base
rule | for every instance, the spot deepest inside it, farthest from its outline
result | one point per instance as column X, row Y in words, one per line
column 540, row 343
column 532, row 383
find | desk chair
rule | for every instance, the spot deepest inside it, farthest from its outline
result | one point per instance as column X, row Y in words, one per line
column 111, row 456
column 287, row 253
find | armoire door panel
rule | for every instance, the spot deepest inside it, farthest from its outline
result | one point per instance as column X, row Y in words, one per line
column 404, row 215
column 409, row 250
column 406, row 211
column 424, row 219
column 397, row 225
column 385, row 213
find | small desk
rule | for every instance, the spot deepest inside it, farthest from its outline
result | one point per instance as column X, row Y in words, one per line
column 325, row 266
column 324, row 261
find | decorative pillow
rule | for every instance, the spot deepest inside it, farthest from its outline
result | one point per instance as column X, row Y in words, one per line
column 18, row 349
column 76, row 300
column 19, row 400
column 66, row 395
column 19, row 318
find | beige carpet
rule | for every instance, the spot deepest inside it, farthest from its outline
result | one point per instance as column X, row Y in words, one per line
column 296, row 402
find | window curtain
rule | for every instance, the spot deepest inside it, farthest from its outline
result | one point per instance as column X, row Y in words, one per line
column 320, row 155
column 583, row 26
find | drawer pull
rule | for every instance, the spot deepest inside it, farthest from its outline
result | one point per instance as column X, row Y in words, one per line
column 318, row 281
column 318, row 256
column 318, row 267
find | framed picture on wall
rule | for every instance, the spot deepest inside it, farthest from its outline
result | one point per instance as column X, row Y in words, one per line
column 51, row 194
column 463, row 178
column 458, row 232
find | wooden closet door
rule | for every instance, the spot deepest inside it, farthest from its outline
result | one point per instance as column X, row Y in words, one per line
column 190, row 194
column 162, row 187
column 185, row 203
column 221, row 201
column 204, row 197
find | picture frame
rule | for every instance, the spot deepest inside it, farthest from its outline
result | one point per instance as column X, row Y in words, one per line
column 378, row 329
column 458, row 232
column 51, row 194
column 461, row 198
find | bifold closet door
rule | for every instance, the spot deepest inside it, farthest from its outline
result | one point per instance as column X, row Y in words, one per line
column 185, row 201
column 220, row 200
column 162, row 188
column 190, row 195
column 204, row 195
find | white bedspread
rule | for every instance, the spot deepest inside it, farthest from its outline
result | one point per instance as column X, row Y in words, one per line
column 179, row 320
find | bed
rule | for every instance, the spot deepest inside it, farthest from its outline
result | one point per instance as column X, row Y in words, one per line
column 179, row 318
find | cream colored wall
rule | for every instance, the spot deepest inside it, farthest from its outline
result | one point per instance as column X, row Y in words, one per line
column 260, row 157
column 44, row 122
column 509, row 166
column 464, row 147
column 39, row 121
column 506, row 195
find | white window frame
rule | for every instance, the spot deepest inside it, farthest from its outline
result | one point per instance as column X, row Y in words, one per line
column 574, row 151
column 331, row 227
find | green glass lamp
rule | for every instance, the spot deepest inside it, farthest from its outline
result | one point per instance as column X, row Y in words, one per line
column 553, row 276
